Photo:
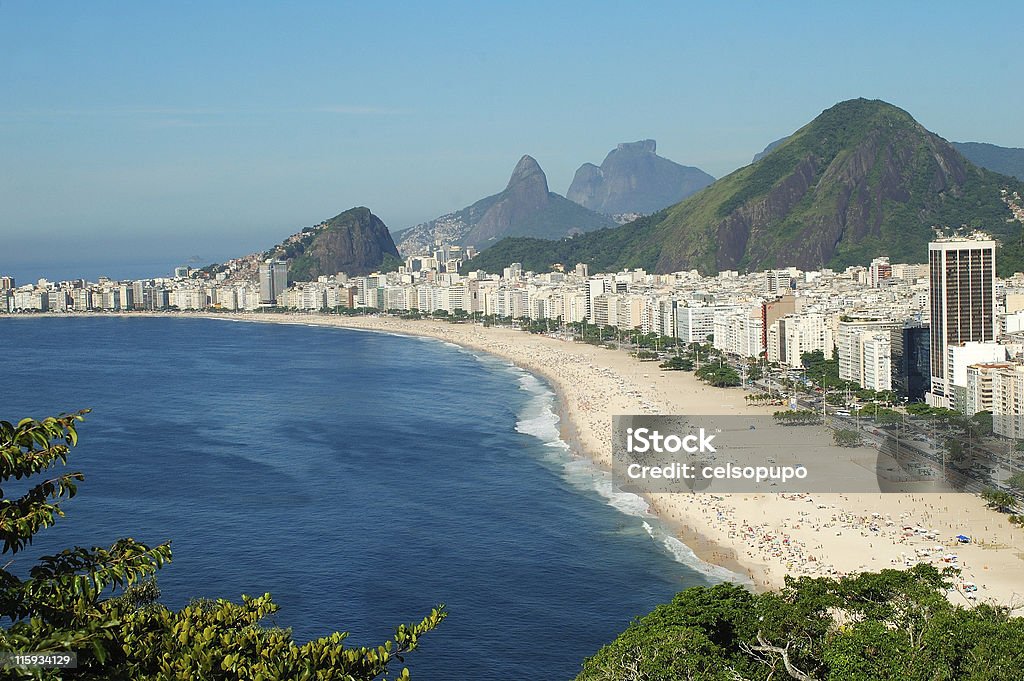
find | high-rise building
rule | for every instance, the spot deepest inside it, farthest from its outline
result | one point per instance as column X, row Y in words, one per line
column 879, row 272
column 774, row 310
column 790, row 337
column 273, row 280
column 860, row 343
column 595, row 287
column 961, row 273
column 696, row 324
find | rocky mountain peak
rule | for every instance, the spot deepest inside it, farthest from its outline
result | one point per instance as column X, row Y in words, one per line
column 524, row 208
column 528, row 173
column 649, row 146
column 634, row 179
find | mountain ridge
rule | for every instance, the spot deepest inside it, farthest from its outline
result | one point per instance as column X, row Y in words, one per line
column 526, row 207
column 862, row 179
column 1003, row 160
column 634, row 179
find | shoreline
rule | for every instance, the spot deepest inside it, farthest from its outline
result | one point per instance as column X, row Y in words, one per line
column 760, row 537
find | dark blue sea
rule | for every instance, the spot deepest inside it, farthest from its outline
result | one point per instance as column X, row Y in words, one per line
column 360, row 478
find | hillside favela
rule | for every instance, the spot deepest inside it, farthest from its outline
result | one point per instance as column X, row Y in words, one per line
column 755, row 413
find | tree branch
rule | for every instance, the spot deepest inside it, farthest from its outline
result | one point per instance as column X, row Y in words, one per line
column 784, row 654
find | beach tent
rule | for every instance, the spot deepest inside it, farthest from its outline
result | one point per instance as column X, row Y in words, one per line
column 963, row 539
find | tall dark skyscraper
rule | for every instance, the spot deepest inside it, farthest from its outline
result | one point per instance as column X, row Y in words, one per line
column 273, row 280
column 962, row 274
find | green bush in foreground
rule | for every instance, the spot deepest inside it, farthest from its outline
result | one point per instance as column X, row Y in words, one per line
column 102, row 602
column 893, row 625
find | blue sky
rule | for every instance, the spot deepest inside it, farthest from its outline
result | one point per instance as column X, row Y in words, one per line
column 134, row 135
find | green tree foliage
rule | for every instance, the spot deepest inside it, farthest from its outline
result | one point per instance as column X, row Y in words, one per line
column 939, row 414
column 846, row 438
column 754, row 371
column 885, row 417
column 102, row 602
column 718, row 375
column 797, row 417
column 892, row 625
column 824, row 372
column 677, row 364
column 835, row 399
column 980, row 424
column 999, row 500
column 602, row 249
column 956, row 450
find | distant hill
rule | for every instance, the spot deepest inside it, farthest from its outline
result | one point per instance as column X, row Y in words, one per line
column 356, row 242
column 769, row 149
column 1004, row 160
column 634, row 179
column 862, row 179
column 524, row 208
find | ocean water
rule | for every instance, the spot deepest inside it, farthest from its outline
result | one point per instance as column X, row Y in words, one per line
column 360, row 478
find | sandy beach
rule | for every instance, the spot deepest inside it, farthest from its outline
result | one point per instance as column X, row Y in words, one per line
column 762, row 536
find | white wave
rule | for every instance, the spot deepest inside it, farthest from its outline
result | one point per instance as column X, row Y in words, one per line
column 539, row 419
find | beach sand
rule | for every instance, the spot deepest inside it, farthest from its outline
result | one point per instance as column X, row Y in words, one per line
column 764, row 537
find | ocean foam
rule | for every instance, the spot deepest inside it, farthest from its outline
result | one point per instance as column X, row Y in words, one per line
column 539, row 419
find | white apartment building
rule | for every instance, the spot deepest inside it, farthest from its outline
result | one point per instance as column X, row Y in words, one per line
column 879, row 272
column 958, row 358
column 695, row 323
column 851, row 337
column 81, row 299
column 980, row 382
column 739, row 333
column 795, row 334
column 596, row 286
column 1008, row 402
column 876, row 361
column 185, row 298
column 31, row 299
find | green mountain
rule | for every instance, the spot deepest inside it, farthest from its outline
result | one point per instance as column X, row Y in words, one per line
column 769, row 149
column 862, row 179
column 1002, row 160
column 356, row 242
column 524, row 208
column 1005, row 160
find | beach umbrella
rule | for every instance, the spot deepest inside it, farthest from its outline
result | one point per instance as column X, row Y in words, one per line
column 963, row 539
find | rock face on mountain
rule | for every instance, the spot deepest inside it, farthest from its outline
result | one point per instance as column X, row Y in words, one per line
column 862, row 179
column 1004, row 160
column 634, row 179
column 524, row 208
column 356, row 242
